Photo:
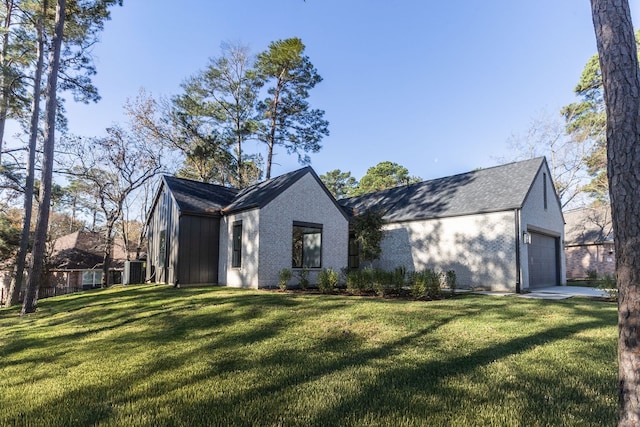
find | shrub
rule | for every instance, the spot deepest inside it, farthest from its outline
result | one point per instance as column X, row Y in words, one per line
column 327, row 280
column 418, row 284
column 426, row 283
column 303, row 278
column 355, row 282
column 381, row 281
column 398, row 279
column 434, row 283
column 284, row 276
column 452, row 281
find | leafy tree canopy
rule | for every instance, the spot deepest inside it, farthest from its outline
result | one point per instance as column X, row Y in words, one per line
column 340, row 184
column 384, row 175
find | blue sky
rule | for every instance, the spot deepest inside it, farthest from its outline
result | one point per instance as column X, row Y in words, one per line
column 438, row 87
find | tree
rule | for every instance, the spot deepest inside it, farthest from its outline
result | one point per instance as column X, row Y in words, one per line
column 340, row 184
column 621, row 81
column 567, row 156
column 384, row 175
column 221, row 100
column 40, row 237
column 367, row 227
column 115, row 167
column 288, row 119
column 586, row 121
column 16, row 283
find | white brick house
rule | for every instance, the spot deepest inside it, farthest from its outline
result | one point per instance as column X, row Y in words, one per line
column 499, row 228
column 204, row 234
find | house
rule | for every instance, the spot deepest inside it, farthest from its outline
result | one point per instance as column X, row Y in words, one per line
column 205, row 234
column 76, row 259
column 588, row 245
column 499, row 228
column 74, row 263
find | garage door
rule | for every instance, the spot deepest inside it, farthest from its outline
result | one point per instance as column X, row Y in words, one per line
column 543, row 261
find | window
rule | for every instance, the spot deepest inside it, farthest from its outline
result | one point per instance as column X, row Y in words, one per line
column 307, row 245
column 236, row 251
column 91, row 279
column 162, row 249
column 354, row 252
column 544, row 189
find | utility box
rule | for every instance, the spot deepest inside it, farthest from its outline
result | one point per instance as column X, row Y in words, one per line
column 133, row 272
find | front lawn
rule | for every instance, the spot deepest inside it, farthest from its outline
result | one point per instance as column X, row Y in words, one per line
column 155, row 355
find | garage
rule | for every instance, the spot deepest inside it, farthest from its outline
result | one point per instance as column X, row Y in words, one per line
column 543, row 260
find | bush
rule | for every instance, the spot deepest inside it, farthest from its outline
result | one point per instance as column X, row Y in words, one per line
column 418, row 284
column 452, row 281
column 284, row 276
column 426, row 283
column 303, row 278
column 399, row 278
column 327, row 280
column 381, row 281
column 355, row 282
column 592, row 277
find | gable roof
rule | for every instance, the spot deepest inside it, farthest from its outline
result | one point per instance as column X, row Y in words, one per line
column 199, row 197
column 588, row 226
column 493, row 189
column 258, row 195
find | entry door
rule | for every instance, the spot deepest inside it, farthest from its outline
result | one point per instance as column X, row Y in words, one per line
column 543, row 261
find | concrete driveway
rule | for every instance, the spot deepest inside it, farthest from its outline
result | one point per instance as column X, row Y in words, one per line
column 554, row 292
column 564, row 292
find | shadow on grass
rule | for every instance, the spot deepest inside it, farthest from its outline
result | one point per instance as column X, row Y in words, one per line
column 394, row 387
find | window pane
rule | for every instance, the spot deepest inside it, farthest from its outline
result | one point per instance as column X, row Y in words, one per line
column 236, row 256
column 307, row 246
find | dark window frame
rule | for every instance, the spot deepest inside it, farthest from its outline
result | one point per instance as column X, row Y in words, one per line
column 297, row 244
column 236, row 244
column 544, row 190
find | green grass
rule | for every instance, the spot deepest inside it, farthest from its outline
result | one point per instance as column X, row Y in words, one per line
column 155, row 356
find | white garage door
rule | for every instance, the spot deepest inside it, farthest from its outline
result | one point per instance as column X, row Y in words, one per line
column 543, row 261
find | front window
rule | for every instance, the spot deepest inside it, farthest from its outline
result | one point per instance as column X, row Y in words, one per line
column 307, row 245
column 91, row 279
column 236, row 255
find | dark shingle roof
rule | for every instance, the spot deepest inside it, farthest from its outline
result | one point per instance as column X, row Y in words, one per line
column 199, row 197
column 206, row 199
column 588, row 226
column 486, row 190
column 259, row 195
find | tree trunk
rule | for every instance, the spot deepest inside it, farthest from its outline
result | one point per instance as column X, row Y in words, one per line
column 40, row 238
column 4, row 102
column 619, row 65
column 16, row 284
column 106, row 261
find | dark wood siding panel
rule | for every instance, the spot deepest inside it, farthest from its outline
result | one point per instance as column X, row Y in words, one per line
column 199, row 245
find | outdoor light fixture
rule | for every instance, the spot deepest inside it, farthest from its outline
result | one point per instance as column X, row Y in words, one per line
column 526, row 237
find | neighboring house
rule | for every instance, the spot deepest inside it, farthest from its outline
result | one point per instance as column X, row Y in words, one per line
column 499, row 228
column 204, row 234
column 76, row 259
column 588, row 242
column 74, row 263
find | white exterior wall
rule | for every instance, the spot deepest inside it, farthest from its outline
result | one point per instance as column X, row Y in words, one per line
column 305, row 201
column 480, row 248
column 247, row 275
column 534, row 217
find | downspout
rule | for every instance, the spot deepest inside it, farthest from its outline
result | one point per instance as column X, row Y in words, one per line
column 516, row 215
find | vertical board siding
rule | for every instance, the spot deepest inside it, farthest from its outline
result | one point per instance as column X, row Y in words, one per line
column 198, row 250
